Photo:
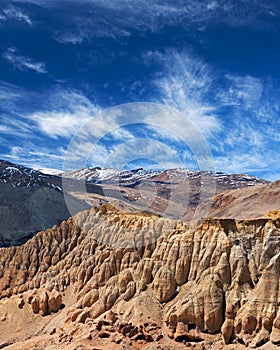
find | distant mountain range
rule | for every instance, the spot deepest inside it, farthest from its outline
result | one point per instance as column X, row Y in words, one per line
column 131, row 177
column 32, row 200
column 175, row 193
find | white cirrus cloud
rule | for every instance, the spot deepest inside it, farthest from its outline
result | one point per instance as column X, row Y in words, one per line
column 61, row 124
column 245, row 91
column 9, row 95
column 116, row 19
column 255, row 161
column 14, row 13
column 24, row 63
column 66, row 113
column 26, row 155
column 184, row 86
column 239, row 118
column 15, row 127
column 143, row 148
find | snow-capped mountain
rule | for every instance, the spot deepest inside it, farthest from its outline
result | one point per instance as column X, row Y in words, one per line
column 222, row 181
column 20, row 176
column 167, row 193
column 100, row 175
column 49, row 171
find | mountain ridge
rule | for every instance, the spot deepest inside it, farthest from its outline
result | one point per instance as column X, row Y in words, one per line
column 177, row 193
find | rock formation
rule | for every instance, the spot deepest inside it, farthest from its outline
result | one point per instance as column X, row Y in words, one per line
column 109, row 276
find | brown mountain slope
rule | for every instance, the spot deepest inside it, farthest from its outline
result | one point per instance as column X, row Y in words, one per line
column 110, row 280
column 174, row 193
column 245, row 203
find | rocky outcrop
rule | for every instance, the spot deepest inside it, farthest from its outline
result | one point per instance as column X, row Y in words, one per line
column 44, row 301
column 255, row 319
column 141, row 277
column 164, row 285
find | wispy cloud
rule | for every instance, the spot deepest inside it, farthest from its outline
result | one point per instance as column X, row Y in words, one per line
column 31, row 138
column 14, row 13
column 243, row 147
column 128, row 132
column 24, row 63
column 126, row 151
column 60, row 124
column 251, row 140
column 238, row 115
column 35, row 159
column 11, row 121
column 148, row 149
column 93, row 19
column 66, row 112
column 243, row 91
column 254, row 162
column 9, row 94
column 185, row 85
column 70, row 38
column 253, row 104
column 15, row 127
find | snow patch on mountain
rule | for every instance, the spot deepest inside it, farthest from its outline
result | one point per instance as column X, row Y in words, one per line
column 49, row 171
column 101, row 175
column 20, row 176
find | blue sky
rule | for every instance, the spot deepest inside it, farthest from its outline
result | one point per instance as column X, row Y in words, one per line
column 217, row 62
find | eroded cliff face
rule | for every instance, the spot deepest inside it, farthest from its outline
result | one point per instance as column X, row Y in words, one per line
column 149, row 279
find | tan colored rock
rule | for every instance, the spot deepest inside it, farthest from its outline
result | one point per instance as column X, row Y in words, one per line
column 215, row 279
column 125, row 277
column 227, row 330
column 54, row 301
column 257, row 315
column 130, row 291
column 44, row 301
column 164, row 285
column 144, row 270
column 35, row 305
column 90, row 298
column 21, row 303
column 275, row 333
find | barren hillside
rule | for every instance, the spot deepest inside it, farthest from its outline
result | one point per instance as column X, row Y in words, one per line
column 106, row 279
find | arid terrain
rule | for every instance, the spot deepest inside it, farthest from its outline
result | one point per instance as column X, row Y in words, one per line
column 139, row 174
column 107, row 279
